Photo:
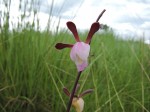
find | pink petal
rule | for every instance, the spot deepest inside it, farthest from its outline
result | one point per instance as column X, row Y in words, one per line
column 72, row 27
column 82, row 66
column 94, row 28
column 79, row 54
column 61, row 46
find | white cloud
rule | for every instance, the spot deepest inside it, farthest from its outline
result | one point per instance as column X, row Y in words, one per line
column 127, row 17
column 146, row 25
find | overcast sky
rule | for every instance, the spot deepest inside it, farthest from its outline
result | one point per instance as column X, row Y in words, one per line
column 126, row 17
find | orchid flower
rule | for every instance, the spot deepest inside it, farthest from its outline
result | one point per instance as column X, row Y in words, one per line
column 78, row 102
column 80, row 50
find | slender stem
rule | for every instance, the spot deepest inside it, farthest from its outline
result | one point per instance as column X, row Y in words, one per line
column 73, row 91
column 100, row 15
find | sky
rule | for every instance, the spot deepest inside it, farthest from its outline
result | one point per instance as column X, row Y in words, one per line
column 128, row 18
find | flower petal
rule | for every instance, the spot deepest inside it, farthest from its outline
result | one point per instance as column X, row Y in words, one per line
column 66, row 91
column 86, row 92
column 78, row 104
column 94, row 28
column 61, row 46
column 79, row 54
column 82, row 66
column 72, row 27
column 80, row 50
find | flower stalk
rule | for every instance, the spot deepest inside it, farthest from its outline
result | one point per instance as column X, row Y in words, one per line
column 73, row 91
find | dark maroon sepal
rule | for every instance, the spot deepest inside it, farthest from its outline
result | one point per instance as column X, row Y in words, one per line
column 66, row 91
column 94, row 28
column 86, row 92
column 62, row 46
column 72, row 27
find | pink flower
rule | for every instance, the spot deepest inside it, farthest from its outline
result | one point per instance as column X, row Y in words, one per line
column 80, row 50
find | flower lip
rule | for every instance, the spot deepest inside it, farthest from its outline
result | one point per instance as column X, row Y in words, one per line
column 79, row 54
column 78, row 104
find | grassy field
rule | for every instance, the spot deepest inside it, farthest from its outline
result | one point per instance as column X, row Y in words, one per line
column 33, row 73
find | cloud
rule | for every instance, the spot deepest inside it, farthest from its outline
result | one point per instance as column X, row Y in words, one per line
column 124, row 16
column 140, row 1
column 128, row 17
column 146, row 25
column 60, row 7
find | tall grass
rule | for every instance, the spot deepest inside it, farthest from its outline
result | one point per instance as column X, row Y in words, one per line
column 33, row 72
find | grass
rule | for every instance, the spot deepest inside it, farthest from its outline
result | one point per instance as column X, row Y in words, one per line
column 33, row 73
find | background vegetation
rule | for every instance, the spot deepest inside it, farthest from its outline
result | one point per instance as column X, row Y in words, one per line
column 33, row 72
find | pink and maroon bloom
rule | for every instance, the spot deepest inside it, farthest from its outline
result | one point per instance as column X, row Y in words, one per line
column 80, row 50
